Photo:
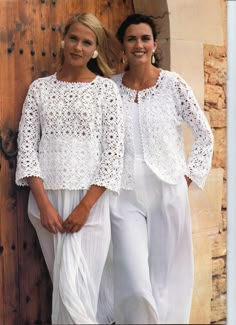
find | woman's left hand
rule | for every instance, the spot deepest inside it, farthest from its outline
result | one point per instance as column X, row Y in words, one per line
column 77, row 218
column 188, row 180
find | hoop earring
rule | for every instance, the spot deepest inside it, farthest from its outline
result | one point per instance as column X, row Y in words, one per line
column 153, row 59
column 95, row 54
column 62, row 44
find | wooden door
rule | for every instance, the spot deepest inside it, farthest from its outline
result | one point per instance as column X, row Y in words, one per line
column 30, row 34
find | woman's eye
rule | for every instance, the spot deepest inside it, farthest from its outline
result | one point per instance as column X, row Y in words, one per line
column 87, row 42
column 146, row 38
column 130, row 39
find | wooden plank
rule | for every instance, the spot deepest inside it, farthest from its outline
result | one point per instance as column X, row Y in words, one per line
column 9, row 308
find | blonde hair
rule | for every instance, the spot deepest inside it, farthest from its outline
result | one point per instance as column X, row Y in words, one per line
column 103, row 64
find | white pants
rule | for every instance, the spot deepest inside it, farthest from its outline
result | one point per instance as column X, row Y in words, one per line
column 152, row 247
column 76, row 261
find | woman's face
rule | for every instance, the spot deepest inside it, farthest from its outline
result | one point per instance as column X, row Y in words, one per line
column 138, row 44
column 79, row 45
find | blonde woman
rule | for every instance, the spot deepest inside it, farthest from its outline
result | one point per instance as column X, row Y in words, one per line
column 70, row 155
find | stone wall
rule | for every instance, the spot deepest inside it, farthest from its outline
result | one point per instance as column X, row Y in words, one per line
column 215, row 104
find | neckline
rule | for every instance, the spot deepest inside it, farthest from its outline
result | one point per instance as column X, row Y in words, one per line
column 145, row 89
column 74, row 82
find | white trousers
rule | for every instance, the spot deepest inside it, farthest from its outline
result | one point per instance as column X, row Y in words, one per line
column 152, row 247
column 76, row 261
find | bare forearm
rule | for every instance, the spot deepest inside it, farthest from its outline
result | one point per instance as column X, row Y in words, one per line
column 92, row 196
column 37, row 188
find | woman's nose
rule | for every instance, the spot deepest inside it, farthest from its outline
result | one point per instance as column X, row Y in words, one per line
column 77, row 46
column 139, row 43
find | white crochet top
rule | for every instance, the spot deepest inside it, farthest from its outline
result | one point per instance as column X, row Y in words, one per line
column 71, row 134
column 162, row 110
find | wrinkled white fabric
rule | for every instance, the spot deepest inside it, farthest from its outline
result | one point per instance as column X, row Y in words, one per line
column 76, row 261
column 138, row 145
column 153, row 254
column 71, row 134
column 162, row 110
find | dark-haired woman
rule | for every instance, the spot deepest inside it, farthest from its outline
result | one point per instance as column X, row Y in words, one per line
column 151, row 223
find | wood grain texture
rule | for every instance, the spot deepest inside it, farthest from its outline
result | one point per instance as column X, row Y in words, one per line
column 30, row 35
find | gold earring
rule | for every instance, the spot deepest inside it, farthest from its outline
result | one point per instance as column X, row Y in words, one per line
column 153, row 59
column 95, row 54
column 62, row 44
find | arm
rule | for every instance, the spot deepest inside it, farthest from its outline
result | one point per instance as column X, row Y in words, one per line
column 80, row 214
column 111, row 166
column 49, row 216
column 199, row 160
column 28, row 170
column 29, row 138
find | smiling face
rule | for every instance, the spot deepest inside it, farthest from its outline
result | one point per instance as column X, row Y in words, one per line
column 139, row 44
column 79, row 45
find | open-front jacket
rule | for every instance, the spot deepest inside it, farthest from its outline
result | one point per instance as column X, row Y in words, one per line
column 162, row 110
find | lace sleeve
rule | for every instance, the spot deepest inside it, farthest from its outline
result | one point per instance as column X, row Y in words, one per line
column 199, row 160
column 28, row 139
column 111, row 166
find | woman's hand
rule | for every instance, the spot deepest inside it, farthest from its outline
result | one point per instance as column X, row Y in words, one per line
column 77, row 218
column 50, row 219
column 188, row 180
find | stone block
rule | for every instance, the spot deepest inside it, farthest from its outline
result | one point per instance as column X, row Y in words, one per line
column 218, row 266
column 218, row 243
column 213, row 93
column 218, row 308
column 190, row 20
column 224, row 198
column 187, row 60
column 220, row 149
column 224, row 220
column 218, row 52
column 218, row 286
column 218, row 118
column 206, row 205
column 201, row 308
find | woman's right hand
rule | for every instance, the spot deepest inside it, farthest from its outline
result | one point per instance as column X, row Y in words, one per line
column 50, row 219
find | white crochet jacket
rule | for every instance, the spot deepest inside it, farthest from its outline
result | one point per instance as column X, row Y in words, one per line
column 71, row 134
column 162, row 109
